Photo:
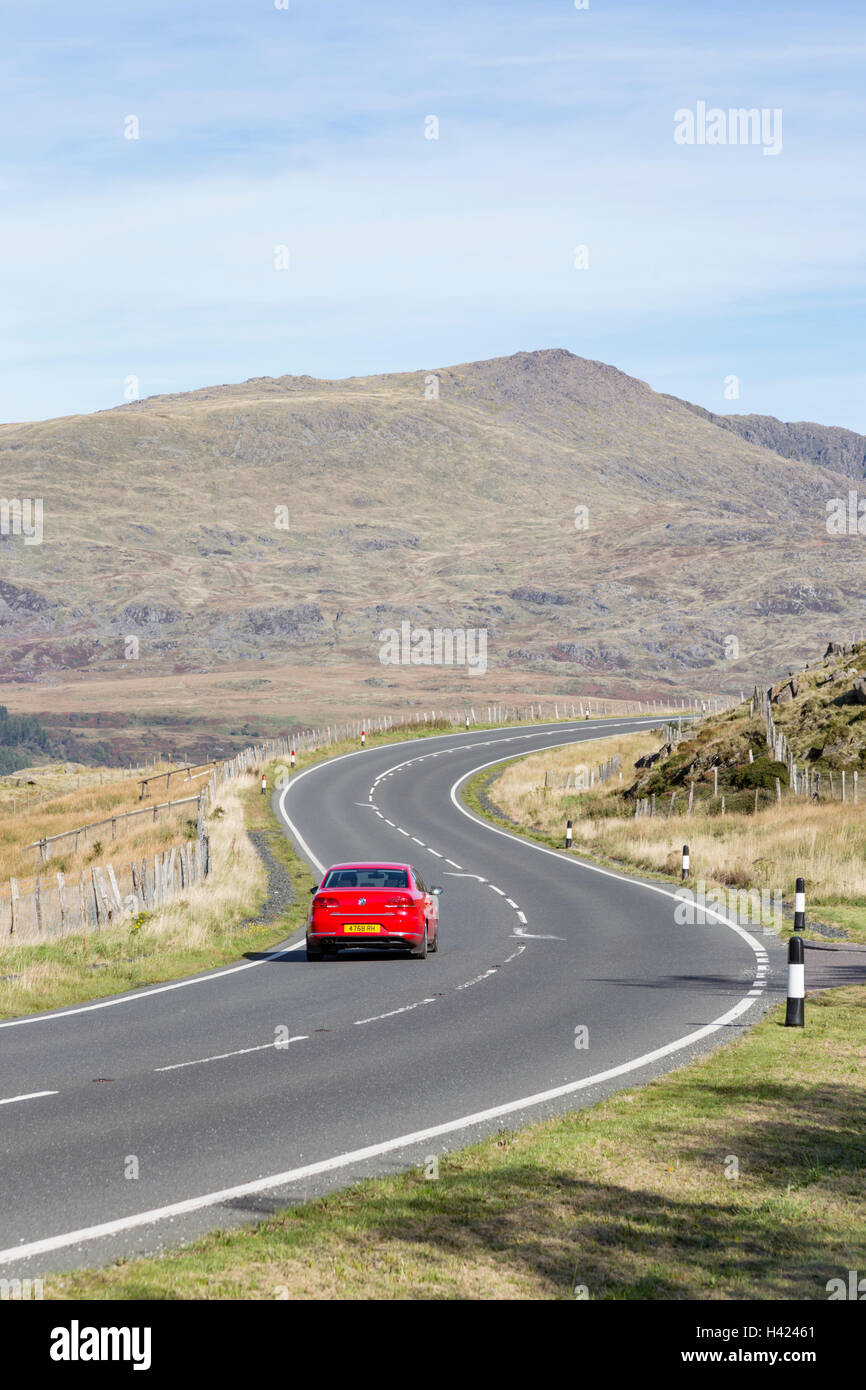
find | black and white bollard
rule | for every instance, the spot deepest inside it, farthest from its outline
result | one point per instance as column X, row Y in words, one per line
column 685, row 862
column 568, row 834
column 800, row 906
column 264, row 784
column 796, row 983
column 363, row 738
column 467, row 721
column 292, row 757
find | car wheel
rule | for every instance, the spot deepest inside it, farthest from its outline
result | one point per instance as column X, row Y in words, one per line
column 434, row 944
column 313, row 954
column 420, row 952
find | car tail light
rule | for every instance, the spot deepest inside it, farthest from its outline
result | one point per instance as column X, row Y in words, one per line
column 401, row 901
column 328, row 903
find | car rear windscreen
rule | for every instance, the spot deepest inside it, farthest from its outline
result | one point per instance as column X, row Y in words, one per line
column 366, row 878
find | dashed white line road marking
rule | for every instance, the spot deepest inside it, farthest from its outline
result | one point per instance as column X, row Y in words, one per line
column 500, row 891
column 407, row 1008
column 241, row 1052
column 31, row 1095
column 467, row 875
column 391, row 823
column 453, row 865
column 478, row 978
column 529, row 936
column 434, row 851
column 403, row 832
column 512, row 903
column 417, row 841
column 522, row 916
column 514, row 955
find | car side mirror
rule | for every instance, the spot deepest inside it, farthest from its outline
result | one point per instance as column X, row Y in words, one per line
column 436, row 891
column 315, row 888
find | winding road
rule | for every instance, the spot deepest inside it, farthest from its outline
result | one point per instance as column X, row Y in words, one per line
column 131, row 1124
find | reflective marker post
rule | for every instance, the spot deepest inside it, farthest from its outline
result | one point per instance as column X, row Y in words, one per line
column 686, row 862
column 796, row 983
column 800, row 906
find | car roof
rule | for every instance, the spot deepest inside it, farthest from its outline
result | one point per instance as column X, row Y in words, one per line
column 368, row 864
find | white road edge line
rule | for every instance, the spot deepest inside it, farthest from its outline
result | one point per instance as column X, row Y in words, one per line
column 157, row 989
column 346, row 1160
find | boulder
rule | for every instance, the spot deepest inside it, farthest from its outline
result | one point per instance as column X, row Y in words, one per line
column 858, row 694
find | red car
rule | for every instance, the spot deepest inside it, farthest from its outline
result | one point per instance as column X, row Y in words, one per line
column 363, row 904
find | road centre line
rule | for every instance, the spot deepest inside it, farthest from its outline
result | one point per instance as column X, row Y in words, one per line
column 31, row 1095
column 241, row 1052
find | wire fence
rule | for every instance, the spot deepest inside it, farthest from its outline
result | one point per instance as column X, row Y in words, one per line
column 100, row 896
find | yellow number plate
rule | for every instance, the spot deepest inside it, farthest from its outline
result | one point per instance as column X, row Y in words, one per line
column 365, row 927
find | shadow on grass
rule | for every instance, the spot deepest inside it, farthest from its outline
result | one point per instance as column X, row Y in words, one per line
column 781, row 1230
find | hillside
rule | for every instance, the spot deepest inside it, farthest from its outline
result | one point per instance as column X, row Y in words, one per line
column 821, row 711
column 843, row 451
column 161, row 525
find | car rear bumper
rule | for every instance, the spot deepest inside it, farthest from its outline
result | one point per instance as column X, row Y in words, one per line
column 331, row 941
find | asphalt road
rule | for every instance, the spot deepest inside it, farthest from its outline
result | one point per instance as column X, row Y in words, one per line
column 138, row 1122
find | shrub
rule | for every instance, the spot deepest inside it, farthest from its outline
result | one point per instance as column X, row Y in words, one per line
column 761, row 773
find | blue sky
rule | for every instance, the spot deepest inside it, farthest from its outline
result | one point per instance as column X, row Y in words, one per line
column 305, row 127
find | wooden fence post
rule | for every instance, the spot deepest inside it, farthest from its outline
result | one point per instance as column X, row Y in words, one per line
column 114, row 888
column 13, row 894
column 61, row 894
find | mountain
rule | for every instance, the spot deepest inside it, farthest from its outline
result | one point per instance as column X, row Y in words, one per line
column 832, row 447
column 444, row 498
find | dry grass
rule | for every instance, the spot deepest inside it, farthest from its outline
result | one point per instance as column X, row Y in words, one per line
column 194, row 932
column 825, row 843
column 111, row 792
column 521, row 792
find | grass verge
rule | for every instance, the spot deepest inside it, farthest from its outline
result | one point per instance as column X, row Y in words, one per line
column 738, row 1176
